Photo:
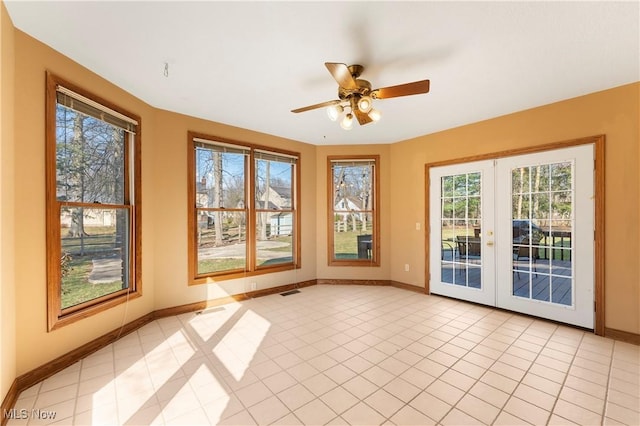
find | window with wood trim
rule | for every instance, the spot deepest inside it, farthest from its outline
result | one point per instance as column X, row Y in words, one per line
column 243, row 215
column 93, row 203
column 353, row 211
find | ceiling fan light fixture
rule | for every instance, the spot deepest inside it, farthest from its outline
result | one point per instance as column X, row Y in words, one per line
column 365, row 103
column 347, row 122
column 355, row 96
column 334, row 111
column 375, row 115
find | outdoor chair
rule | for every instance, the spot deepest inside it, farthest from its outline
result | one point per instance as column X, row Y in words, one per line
column 469, row 249
column 447, row 246
column 525, row 251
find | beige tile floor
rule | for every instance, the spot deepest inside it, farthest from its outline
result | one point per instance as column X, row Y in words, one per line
column 346, row 355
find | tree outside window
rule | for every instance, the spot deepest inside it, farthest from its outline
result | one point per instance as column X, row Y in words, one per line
column 245, row 217
column 92, row 203
column 353, row 211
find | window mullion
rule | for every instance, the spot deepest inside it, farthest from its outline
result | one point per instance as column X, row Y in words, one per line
column 250, row 208
column 129, row 170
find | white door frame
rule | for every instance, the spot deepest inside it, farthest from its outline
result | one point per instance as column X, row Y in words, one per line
column 599, row 264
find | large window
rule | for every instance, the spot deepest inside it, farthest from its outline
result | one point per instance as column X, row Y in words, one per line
column 93, row 203
column 243, row 216
column 353, row 211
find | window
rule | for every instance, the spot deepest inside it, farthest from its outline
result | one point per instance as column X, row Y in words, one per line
column 243, row 216
column 93, row 203
column 353, row 211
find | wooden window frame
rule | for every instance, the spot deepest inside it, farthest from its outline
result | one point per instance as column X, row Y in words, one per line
column 375, row 258
column 56, row 316
column 250, row 208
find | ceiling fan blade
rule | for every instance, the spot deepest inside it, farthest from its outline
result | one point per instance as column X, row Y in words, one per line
column 310, row 107
column 342, row 75
column 407, row 89
column 362, row 117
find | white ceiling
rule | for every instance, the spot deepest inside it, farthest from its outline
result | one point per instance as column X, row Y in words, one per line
column 247, row 64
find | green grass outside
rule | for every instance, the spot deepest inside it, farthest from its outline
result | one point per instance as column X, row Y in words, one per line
column 556, row 250
column 76, row 287
column 449, row 234
column 345, row 244
column 208, row 266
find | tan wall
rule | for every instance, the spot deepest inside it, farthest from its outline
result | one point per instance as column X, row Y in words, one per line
column 164, row 209
column 615, row 113
column 7, row 216
column 353, row 272
column 170, row 211
column 35, row 346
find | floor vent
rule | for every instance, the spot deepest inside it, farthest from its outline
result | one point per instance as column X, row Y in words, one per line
column 208, row 310
column 287, row 293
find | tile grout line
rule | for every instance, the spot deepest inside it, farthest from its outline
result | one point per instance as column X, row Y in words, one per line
column 606, row 392
column 404, row 404
column 495, row 361
column 565, row 380
column 519, row 382
column 148, row 370
column 115, row 372
column 448, row 368
column 466, row 392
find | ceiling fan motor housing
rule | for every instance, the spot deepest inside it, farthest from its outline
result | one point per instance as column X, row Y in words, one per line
column 363, row 86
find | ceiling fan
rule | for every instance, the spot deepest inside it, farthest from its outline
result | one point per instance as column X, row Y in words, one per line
column 355, row 96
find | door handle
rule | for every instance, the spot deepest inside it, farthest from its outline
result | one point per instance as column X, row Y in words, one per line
column 490, row 243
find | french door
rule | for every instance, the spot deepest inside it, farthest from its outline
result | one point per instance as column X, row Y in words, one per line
column 517, row 233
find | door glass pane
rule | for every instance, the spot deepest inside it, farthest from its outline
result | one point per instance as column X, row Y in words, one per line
column 460, row 252
column 542, row 223
column 540, row 287
column 520, row 180
column 447, row 208
column 447, row 186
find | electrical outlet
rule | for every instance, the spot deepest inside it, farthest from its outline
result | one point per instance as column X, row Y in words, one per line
column 253, row 287
column 406, row 267
column 417, row 226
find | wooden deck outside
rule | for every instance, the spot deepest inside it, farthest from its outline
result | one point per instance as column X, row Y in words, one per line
column 545, row 280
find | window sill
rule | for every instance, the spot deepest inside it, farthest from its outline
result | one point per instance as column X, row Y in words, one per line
column 66, row 319
column 225, row 276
